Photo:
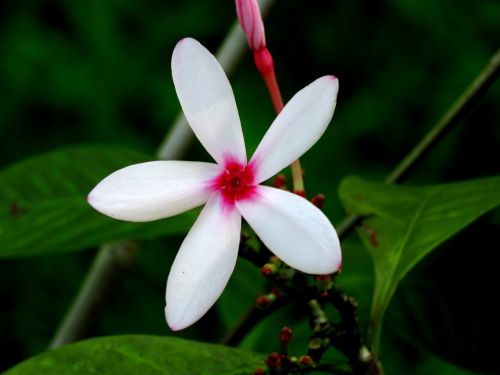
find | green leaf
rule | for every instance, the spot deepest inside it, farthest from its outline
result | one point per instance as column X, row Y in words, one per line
column 402, row 224
column 137, row 354
column 43, row 207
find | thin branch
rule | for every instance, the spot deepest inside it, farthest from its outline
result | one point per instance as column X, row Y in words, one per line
column 108, row 267
column 113, row 260
column 450, row 120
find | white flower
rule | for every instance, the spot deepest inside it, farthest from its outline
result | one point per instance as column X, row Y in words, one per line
column 289, row 225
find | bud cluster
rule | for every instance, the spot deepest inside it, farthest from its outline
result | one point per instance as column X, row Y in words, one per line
column 282, row 363
column 324, row 283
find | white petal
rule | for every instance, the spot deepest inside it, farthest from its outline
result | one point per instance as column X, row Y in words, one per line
column 203, row 265
column 298, row 126
column 207, row 101
column 154, row 190
column 294, row 229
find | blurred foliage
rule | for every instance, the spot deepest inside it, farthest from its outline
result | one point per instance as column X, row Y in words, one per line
column 44, row 209
column 98, row 71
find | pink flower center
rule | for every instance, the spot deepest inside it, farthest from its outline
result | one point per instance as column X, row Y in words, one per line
column 236, row 182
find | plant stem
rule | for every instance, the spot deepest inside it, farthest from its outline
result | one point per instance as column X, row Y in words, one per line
column 269, row 75
column 108, row 267
column 451, row 118
column 113, row 260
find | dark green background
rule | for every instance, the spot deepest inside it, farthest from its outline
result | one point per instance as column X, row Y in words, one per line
column 98, row 71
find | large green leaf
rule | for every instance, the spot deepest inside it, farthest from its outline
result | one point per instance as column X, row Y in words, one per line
column 402, row 224
column 137, row 354
column 43, row 207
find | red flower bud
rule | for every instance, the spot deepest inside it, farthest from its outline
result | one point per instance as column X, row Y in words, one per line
column 267, row 270
column 279, row 181
column 274, row 360
column 318, row 200
column 285, row 335
column 262, row 302
column 251, row 22
column 259, row 371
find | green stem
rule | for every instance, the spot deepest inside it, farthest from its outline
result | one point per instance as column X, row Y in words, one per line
column 451, row 118
column 109, row 266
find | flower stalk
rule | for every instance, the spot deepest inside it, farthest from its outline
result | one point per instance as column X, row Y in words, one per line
column 251, row 22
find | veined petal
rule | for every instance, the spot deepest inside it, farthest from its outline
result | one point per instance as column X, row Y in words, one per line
column 203, row 265
column 154, row 190
column 298, row 126
column 294, row 229
column 208, row 102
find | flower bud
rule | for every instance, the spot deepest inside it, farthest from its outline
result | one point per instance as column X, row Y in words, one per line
column 279, row 181
column 259, row 371
column 251, row 22
column 286, row 335
column 285, row 338
column 364, row 354
column 268, row 269
column 274, row 360
column 315, row 344
column 318, row 200
column 262, row 303
column 324, row 284
column 275, row 260
column 306, row 362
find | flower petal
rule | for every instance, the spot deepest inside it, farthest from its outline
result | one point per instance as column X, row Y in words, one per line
column 208, row 102
column 154, row 190
column 203, row 264
column 294, row 229
column 298, row 126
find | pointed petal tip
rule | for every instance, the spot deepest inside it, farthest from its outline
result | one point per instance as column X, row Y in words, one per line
column 173, row 325
column 185, row 39
column 91, row 200
column 337, row 268
column 332, row 80
column 181, row 43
